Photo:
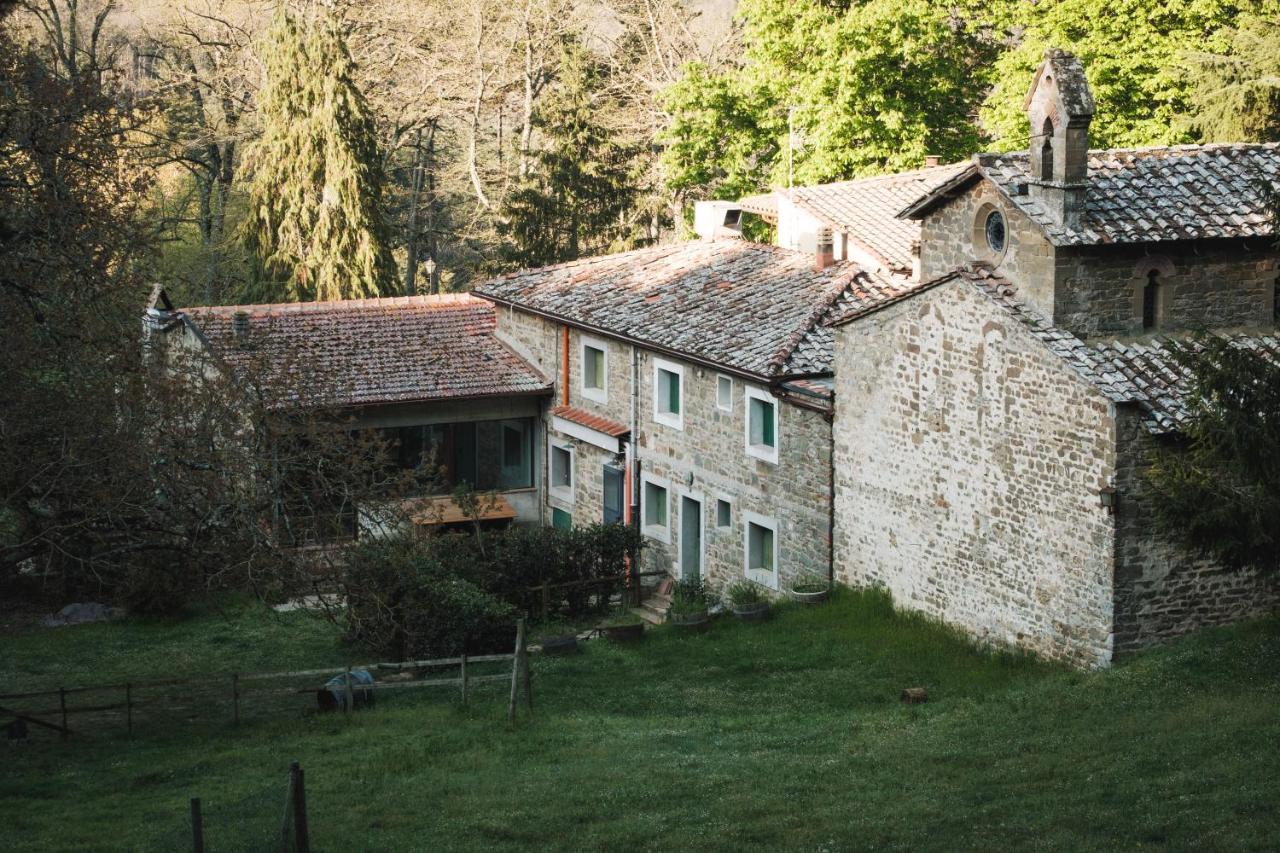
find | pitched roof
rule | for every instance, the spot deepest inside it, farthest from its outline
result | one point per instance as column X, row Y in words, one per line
column 1143, row 195
column 591, row 421
column 747, row 307
column 1143, row 373
column 367, row 351
column 867, row 210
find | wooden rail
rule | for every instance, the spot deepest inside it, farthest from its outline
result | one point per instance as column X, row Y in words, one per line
column 518, row 659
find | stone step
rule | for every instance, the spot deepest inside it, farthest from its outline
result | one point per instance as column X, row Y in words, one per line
column 649, row 616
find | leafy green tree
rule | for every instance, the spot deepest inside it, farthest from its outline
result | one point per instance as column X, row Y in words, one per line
column 1236, row 92
column 1219, row 493
column 314, row 224
column 1132, row 52
column 581, row 187
column 858, row 88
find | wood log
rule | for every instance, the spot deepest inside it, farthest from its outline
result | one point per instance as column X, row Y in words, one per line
column 915, row 695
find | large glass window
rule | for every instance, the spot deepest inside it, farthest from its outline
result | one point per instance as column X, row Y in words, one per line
column 655, row 505
column 484, row 454
column 759, row 548
column 762, row 425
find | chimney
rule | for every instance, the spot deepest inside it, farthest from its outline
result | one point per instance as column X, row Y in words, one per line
column 931, row 160
column 240, row 327
column 915, row 260
column 824, row 255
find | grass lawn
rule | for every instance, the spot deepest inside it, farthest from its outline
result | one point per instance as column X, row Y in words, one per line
column 787, row 735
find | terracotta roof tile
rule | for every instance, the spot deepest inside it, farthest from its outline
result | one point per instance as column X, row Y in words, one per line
column 746, row 306
column 368, row 351
column 867, row 210
column 1144, row 195
column 591, row 421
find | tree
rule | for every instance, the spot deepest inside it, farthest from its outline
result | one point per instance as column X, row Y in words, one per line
column 314, row 224
column 829, row 92
column 1132, row 53
column 1218, row 492
column 579, row 187
column 1236, row 92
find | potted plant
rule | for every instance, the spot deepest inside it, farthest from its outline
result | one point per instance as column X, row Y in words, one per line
column 810, row 588
column 623, row 627
column 689, row 604
column 748, row 601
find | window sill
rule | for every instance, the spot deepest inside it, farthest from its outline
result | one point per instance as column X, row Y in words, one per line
column 661, row 534
column 763, row 452
column 760, row 576
column 673, row 421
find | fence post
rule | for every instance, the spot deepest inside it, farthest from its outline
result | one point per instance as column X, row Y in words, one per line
column 524, row 665
column 515, row 670
column 546, row 601
column 197, row 827
column 464, row 678
column 286, row 823
column 62, row 703
column 347, row 697
column 235, row 698
column 128, row 706
column 300, row 833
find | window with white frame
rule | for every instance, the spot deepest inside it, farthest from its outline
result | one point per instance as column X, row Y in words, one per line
column 724, row 393
column 760, row 549
column 724, row 513
column 562, row 472
column 655, row 510
column 668, row 393
column 595, row 370
column 762, row 425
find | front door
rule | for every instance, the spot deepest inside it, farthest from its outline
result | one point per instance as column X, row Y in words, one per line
column 690, row 537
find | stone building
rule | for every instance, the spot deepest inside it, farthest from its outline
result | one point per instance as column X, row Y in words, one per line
column 693, row 396
column 992, row 424
column 427, row 371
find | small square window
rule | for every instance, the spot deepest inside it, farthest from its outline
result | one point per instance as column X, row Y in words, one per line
column 595, row 363
column 724, row 393
column 759, row 548
column 562, row 473
column 724, row 513
column 668, row 404
column 655, row 505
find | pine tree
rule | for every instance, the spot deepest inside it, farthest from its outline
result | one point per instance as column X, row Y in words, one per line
column 575, row 199
column 314, row 225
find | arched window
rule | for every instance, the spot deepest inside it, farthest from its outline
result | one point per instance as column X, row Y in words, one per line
column 1151, row 301
column 1046, row 151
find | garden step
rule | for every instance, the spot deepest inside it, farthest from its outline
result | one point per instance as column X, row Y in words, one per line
column 651, row 616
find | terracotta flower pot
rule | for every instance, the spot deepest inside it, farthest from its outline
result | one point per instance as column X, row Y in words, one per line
column 811, row 597
column 755, row 612
column 695, row 621
column 627, row 633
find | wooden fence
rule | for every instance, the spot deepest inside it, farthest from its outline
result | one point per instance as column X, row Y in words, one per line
column 546, row 591
column 239, row 686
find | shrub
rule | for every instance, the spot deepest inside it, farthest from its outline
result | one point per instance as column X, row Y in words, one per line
column 406, row 597
column 744, row 592
column 689, row 596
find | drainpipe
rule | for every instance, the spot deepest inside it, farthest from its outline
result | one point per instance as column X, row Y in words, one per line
column 632, row 473
column 564, row 365
column 831, row 498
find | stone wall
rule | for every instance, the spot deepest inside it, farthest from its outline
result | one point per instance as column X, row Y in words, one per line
column 953, row 236
column 1161, row 590
column 968, row 463
column 1208, row 284
column 705, row 460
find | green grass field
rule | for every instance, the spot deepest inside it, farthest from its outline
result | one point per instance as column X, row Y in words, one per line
column 787, row 735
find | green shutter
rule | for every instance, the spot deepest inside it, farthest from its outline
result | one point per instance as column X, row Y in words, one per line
column 561, row 520
column 673, row 397
column 767, row 430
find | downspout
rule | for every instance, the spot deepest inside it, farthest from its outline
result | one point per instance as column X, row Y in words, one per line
column 632, row 472
column 831, row 498
column 564, row 365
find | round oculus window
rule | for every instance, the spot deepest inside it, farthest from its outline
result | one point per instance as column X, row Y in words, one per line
column 995, row 231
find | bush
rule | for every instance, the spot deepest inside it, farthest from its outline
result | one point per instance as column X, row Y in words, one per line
column 406, row 598
column 742, row 593
column 689, row 596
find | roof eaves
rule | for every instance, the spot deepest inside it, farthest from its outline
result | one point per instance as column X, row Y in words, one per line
column 936, row 196
column 893, row 300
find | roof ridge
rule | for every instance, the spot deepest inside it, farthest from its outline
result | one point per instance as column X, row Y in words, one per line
column 321, row 305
